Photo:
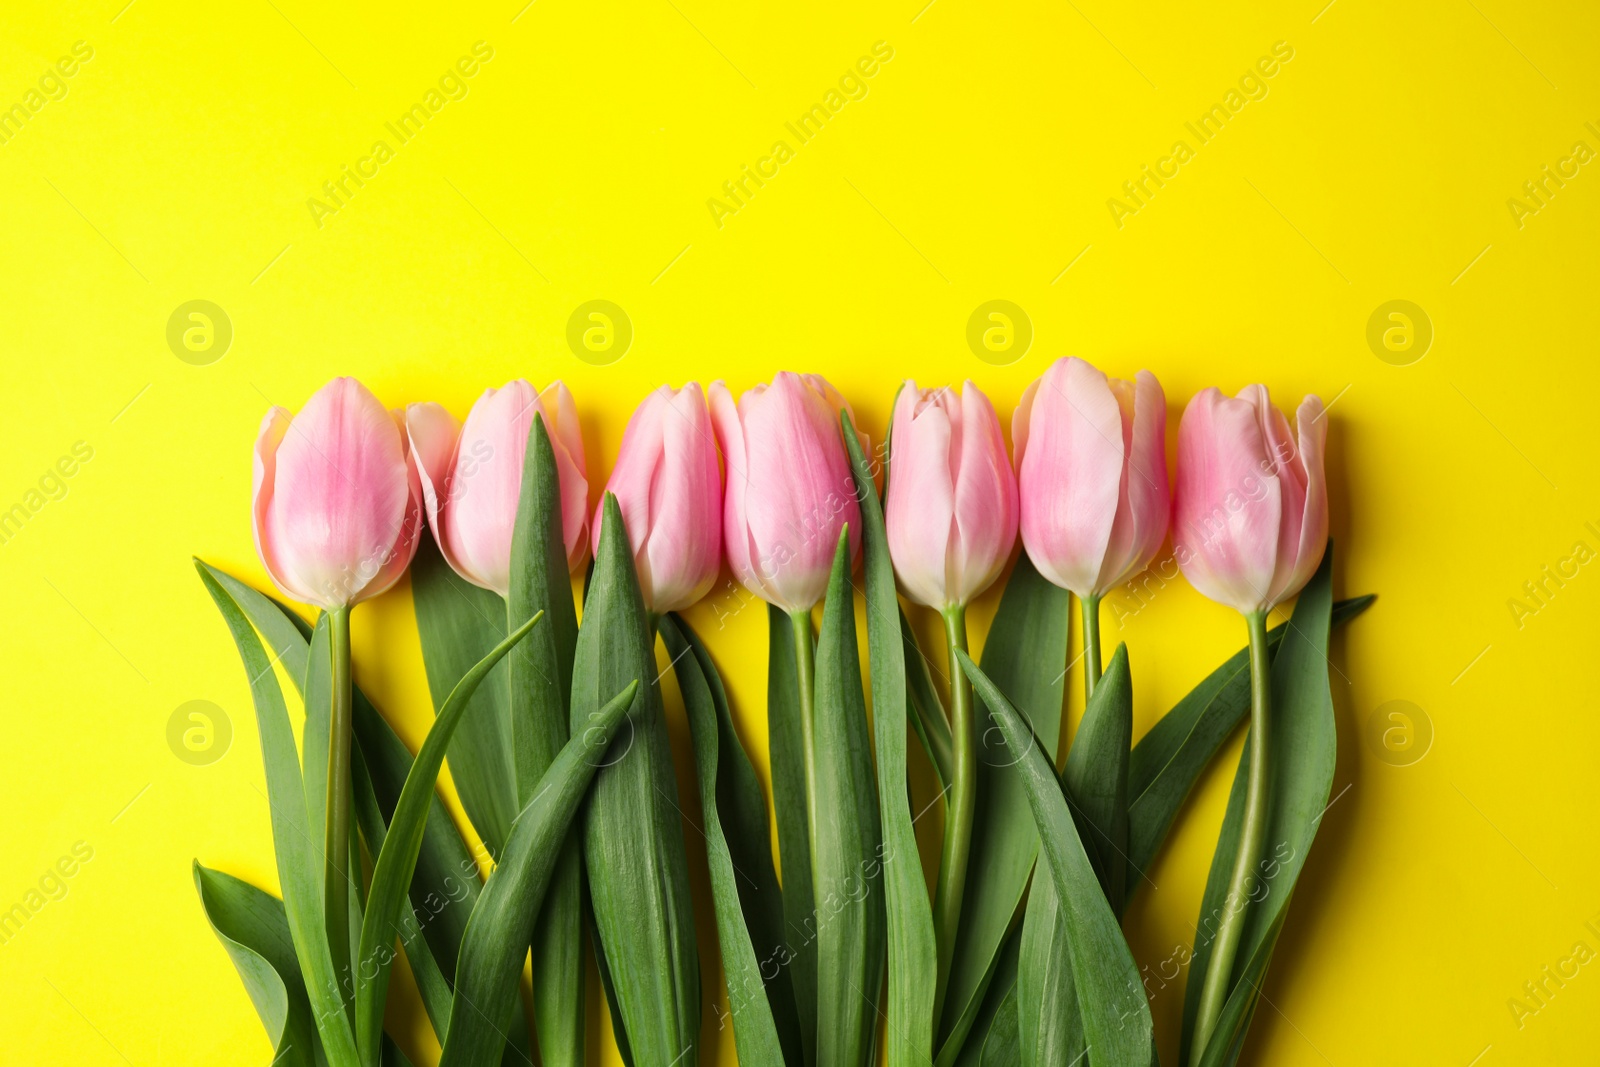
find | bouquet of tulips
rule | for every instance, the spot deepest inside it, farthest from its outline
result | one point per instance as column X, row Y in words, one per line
column 558, row 747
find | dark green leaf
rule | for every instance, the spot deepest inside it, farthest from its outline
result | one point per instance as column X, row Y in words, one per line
column 493, row 950
column 1170, row 758
column 928, row 715
column 540, row 687
column 1302, row 743
column 1025, row 655
column 458, row 624
column 1001, row 992
column 786, row 750
column 912, row 957
column 632, row 830
column 1111, row 1001
column 253, row 928
column 392, row 872
column 744, row 887
column 846, row 877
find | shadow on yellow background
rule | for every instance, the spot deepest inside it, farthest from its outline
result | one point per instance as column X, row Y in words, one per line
column 424, row 198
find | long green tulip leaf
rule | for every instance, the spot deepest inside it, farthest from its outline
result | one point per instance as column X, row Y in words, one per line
column 744, row 886
column 398, row 858
column 1302, row 743
column 252, row 926
column 1025, row 655
column 928, row 716
column 847, row 875
column 1000, row 998
column 1170, row 758
column 912, row 956
column 291, row 831
column 786, row 751
column 632, row 829
column 1095, row 781
column 498, row 931
column 540, row 687
column 458, row 623
column 1111, row 1001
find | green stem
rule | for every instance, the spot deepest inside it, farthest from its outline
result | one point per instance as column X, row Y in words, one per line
column 958, row 806
column 1219, row 970
column 336, row 840
column 1093, row 664
column 805, row 673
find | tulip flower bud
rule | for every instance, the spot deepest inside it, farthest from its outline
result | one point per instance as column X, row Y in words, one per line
column 1092, row 474
column 337, row 505
column 952, row 505
column 668, row 486
column 789, row 486
column 472, row 476
column 1251, row 514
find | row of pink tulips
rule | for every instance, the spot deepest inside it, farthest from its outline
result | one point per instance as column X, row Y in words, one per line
column 341, row 488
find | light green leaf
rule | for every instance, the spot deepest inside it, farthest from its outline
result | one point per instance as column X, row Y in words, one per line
column 632, row 830
column 1303, row 743
column 493, row 950
column 786, row 751
column 290, row 833
column 253, row 928
column 1111, row 1001
column 912, row 956
column 1025, row 654
column 744, row 887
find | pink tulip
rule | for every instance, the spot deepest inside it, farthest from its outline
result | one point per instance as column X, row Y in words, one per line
column 1251, row 516
column 952, row 507
column 472, row 476
column 669, row 488
column 789, row 486
column 1092, row 473
column 336, row 498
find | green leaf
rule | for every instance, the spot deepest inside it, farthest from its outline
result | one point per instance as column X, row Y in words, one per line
column 445, row 887
column 458, row 624
column 632, row 830
column 847, row 844
column 1095, row 782
column 1025, row 655
column 786, row 750
column 253, row 928
column 744, row 887
column 398, row 858
column 540, row 687
column 1001, row 1047
column 290, row 833
column 999, row 998
column 1303, row 743
column 494, row 948
column 913, row 958
column 1170, row 758
column 1111, row 1001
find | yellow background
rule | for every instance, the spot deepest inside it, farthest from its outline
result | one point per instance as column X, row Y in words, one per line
column 179, row 164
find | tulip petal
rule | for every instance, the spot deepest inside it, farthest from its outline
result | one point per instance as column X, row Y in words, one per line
column 985, row 512
column 273, row 428
column 566, row 435
column 433, row 433
column 1312, row 540
column 921, row 503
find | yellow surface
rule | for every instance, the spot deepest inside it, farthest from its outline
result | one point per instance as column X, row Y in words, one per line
column 176, row 164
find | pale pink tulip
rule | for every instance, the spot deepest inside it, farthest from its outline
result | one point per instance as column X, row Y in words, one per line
column 1092, row 474
column 472, row 476
column 789, row 486
column 337, row 505
column 952, row 506
column 1251, row 514
column 669, row 488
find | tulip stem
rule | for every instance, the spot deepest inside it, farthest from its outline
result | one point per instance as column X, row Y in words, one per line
column 959, row 805
column 336, row 842
column 1093, row 665
column 805, row 674
column 1219, row 970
